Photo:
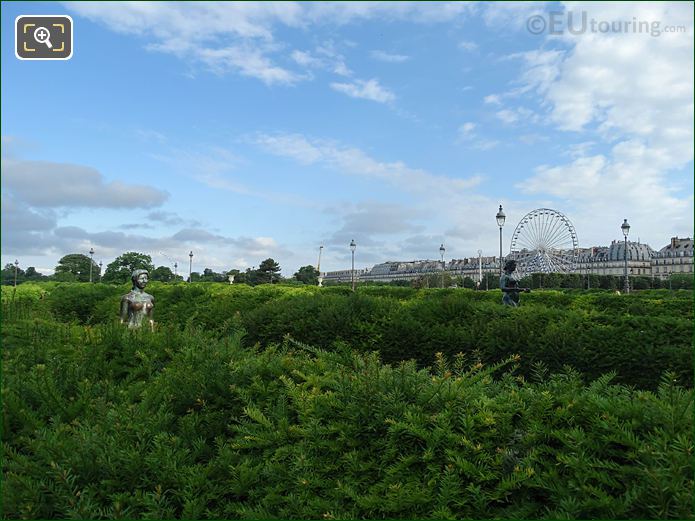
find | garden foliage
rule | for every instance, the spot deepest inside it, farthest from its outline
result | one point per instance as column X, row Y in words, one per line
column 222, row 413
column 639, row 336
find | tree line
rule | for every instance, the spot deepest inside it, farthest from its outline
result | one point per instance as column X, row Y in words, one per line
column 75, row 267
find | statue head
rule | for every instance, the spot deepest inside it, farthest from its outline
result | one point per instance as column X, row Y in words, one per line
column 510, row 266
column 139, row 278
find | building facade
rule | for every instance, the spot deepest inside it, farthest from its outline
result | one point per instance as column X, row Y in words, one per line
column 675, row 257
column 474, row 268
column 610, row 260
column 343, row 275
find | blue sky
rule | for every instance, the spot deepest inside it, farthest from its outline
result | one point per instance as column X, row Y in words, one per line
column 247, row 131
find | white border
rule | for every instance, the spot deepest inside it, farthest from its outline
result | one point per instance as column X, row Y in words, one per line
column 72, row 38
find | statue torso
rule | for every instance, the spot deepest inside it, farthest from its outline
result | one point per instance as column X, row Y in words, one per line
column 140, row 306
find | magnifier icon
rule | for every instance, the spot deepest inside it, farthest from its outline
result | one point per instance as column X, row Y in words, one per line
column 43, row 35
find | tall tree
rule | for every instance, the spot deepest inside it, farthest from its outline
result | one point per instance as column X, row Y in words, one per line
column 162, row 274
column 120, row 270
column 212, row 276
column 268, row 271
column 307, row 275
column 8, row 273
column 32, row 274
column 78, row 265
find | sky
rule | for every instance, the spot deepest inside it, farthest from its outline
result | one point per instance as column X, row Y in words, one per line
column 242, row 131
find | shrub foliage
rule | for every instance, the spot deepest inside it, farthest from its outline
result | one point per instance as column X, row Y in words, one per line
column 222, row 413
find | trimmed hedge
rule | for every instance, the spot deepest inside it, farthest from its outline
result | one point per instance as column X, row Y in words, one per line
column 100, row 422
column 639, row 336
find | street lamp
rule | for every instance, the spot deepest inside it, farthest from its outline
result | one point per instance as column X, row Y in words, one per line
column 16, row 268
column 176, row 269
column 190, row 267
column 100, row 265
column 318, row 265
column 500, row 222
column 625, row 227
column 441, row 253
column 91, row 256
column 480, row 269
column 352, row 249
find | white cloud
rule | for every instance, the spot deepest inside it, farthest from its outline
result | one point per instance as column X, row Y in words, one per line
column 467, row 130
column 631, row 92
column 467, row 134
column 305, row 59
column 341, row 69
column 468, row 45
column 239, row 37
column 325, row 57
column 507, row 116
column 418, row 12
column 389, row 57
column 492, row 99
column 52, row 185
column 510, row 116
column 486, row 144
column 248, row 61
column 226, row 37
column 511, row 15
column 354, row 161
column 370, row 220
column 436, row 203
column 365, row 89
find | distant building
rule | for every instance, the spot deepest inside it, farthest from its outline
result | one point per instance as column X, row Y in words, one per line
column 409, row 270
column 343, row 275
column 413, row 270
column 675, row 257
column 642, row 260
column 472, row 267
column 610, row 260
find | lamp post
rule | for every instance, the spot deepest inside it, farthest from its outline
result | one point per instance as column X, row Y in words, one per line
column 500, row 222
column 176, row 269
column 588, row 274
column 318, row 264
column 352, row 249
column 190, row 267
column 100, row 265
column 16, row 268
column 669, row 280
column 625, row 227
column 442, row 249
column 480, row 269
column 91, row 256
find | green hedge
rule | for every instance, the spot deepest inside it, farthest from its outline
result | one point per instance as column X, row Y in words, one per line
column 100, row 422
column 639, row 336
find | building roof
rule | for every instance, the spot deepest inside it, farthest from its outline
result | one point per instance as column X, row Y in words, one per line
column 635, row 251
column 677, row 247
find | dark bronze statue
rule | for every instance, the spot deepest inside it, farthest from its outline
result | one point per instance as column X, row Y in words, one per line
column 510, row 286
column 137, row 305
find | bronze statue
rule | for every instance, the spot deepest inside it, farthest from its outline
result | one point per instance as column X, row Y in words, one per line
column 509, row 285
column 137, row 305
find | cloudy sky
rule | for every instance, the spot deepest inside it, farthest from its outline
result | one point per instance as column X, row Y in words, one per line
column 243, row 131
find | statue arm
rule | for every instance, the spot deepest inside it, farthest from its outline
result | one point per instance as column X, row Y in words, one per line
column 124, row 309
column 151, row 315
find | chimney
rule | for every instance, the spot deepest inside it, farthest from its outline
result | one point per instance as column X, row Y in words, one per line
column 673, row 241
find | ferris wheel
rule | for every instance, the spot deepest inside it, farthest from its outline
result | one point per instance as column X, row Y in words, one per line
column 544, row 241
